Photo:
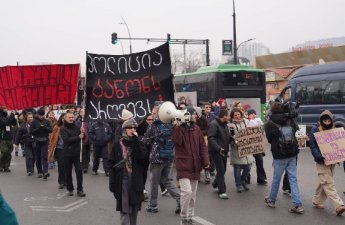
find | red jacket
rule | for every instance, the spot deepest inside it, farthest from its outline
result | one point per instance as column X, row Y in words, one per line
column 191, row 153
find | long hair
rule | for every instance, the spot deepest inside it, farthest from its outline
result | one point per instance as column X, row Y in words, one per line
column 60, row 120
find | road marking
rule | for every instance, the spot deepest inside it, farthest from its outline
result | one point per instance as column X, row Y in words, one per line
column 67, row 208
column 202, row 221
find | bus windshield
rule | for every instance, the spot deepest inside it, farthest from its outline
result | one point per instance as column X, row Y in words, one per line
column 243, row 78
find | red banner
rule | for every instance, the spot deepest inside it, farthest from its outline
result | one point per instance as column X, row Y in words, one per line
column 33, row 86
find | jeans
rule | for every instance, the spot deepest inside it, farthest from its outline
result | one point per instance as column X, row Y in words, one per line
column 161, row 172
column 29, row 157
column 41, row 151
column 241, row 173
column 279, row 166
column 61, row 167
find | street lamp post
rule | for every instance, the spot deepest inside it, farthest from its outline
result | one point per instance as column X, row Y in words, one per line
column 243, row 42
column 129, row 34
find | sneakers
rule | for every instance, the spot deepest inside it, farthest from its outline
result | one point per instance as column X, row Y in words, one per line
column 46, row 175
column 340, row 210
column 29, row 173
column 298, row 209
column 81, row 194
column 39, row 175
column 84, row 170
column 152, row 209
column 269, row 202
column 146, row 196
column 207, row 177
column 223, row 196
column 263, row 183
column 165, row 192
column 178, row 207
column 7, row 170
column 318, row 206
column 246, row 188
column 286, row 192
column 61, row 186
column 240, row 189
column 94, row 173
column 70, row 193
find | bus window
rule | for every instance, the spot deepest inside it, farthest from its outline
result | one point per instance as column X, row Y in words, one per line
column 321, row 92
column 242, row 78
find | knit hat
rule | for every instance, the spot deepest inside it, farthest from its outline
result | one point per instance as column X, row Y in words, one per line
column 198, row 111
column 251, row 111
column 41, row 112
column 126, row 115
column 191, row 110
column 129, row 123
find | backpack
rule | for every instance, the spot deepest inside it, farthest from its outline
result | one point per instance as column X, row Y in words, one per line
column 287, row 141
column 165, row 143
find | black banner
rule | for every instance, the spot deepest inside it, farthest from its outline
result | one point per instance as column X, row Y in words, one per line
column 133, row 82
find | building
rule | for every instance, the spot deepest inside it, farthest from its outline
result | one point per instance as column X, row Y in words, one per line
column 252, row 49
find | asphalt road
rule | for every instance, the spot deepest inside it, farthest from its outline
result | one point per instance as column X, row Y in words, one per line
column 40, row 202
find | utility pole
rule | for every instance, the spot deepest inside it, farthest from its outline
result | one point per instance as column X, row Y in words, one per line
column 234, row 31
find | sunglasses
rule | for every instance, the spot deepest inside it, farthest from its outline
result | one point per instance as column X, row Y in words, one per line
column 131, row 128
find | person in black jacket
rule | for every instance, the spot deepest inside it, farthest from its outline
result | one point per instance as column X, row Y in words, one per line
column 24, row 136
column 218, row 146
column 7, row 123
column 40, row 129
column 126, row 163
column 100, row 134
column 72, row 136
column 282, row 160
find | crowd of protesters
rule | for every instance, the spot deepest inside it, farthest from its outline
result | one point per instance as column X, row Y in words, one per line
column 132, row 151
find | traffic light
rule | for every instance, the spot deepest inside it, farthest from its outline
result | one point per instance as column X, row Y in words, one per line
column 114, row 38
column 168, row 38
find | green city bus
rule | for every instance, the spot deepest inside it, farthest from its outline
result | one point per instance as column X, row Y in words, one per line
column 230, row 82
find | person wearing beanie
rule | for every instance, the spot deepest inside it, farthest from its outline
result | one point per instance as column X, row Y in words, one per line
column 126, row 115
column 40, row 129
column 126, row 167
column 326, row 187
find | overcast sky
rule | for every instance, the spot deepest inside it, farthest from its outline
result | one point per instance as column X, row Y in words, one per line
column 61, row 31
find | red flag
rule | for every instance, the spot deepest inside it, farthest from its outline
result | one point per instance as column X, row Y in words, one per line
column 38, row 85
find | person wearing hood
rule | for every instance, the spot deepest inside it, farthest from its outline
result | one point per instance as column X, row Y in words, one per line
column 282, row 160
column 126, row 170
column 191, row 156
column 326, row 187
column 7, row 123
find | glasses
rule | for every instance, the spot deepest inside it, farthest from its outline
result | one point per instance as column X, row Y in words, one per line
column 131, row 128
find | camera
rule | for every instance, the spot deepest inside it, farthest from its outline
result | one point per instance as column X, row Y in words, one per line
column 290, row 109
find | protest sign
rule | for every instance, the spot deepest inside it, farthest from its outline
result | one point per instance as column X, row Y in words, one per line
column 24, row 87
column 250, row 141
column 332, row 145
column 133, row 82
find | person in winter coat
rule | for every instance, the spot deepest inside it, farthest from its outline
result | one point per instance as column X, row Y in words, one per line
column 7, row 215
column 218, row 146
column 191, row 156
column 243, row 164
column 72, row 136
column 86, row 147
column 7, row 122
column 126, row 167
column 282, row 160
column 100, row 134
column 24, row 136
column 41, row 128
column 55, row 150
column 326, row 187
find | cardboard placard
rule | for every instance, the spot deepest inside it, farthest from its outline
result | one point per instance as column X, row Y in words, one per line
column 250, row 141
column 332, row 145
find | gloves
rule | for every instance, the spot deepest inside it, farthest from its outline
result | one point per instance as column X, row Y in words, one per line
column 320, row 160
